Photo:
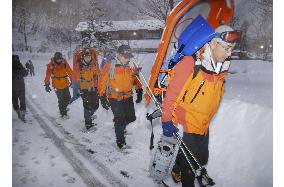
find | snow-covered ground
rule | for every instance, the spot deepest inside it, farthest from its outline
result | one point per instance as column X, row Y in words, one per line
column 48, row 151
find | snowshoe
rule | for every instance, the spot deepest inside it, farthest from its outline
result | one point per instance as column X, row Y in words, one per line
column 89, row 125
column 121, row 144
column 21, row 115
column 163, row 158
column 65, row 116
column 124, row 148
column 89, row 128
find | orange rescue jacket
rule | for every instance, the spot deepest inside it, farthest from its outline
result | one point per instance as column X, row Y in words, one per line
column 192, row 102
column 86, row 75
column 121, row 84
column 58, row 73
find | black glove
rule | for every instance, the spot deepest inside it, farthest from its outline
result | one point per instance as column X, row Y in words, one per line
column 139, row 95
column 47, row 88
column 136, row 71
column 104, row 102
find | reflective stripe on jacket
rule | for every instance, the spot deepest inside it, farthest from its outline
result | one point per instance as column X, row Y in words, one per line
column 190, row 101
column 121, row 84
column 58, row 73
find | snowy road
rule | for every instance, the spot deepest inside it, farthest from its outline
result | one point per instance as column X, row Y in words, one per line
column 71, row 151
column 36, row 159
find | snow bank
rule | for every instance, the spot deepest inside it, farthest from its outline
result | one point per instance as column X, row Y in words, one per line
column 241, row 145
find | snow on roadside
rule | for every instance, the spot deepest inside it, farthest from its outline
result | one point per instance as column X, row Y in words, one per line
column 241, row 145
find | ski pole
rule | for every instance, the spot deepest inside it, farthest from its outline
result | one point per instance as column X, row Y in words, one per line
column 152, row 97
column 200, row 173
column 187, row 149
column 184, row 154
column 148, row 90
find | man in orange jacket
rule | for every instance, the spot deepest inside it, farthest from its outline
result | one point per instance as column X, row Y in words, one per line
column 59, row 70
column 85, row 81
column 115, row 89
column 194, row 94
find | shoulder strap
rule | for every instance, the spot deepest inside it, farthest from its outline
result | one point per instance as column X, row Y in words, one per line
column 110, row 74
column 52, row 67
column 196, row 70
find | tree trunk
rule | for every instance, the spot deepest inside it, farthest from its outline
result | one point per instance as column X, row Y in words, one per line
column 171, row 2
column 25, row 32
column 70, row 45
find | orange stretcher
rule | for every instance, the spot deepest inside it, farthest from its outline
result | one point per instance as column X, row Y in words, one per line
column 215, row 11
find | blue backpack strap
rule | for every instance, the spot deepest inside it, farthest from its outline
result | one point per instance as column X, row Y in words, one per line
column 195, row 35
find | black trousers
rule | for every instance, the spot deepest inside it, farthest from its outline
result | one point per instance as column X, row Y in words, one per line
column 32, row 72
column 63, row 96
column 124, row 113
column 19, row 96
column 90, row 103
column 198, row 145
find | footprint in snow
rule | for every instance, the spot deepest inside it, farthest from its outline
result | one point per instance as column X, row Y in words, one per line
column 22, row 153
column 28, row 172
column 51, row 156
column 64, row 175
column 52, row 164
column 87, row 140
column 20, row 130
column 34, row 179
column 24, row 180
column 71, row 180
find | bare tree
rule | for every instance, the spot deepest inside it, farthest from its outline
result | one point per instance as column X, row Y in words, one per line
column 28, row 20
column 244, row 39
column 263, row 26
column 157, row 9
column 94, row 15
column 21, row 19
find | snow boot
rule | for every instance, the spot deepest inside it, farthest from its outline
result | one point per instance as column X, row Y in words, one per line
column 65, row 116
column 89, row 125
column 120, row 143
column 22, row 115
column 19, row 114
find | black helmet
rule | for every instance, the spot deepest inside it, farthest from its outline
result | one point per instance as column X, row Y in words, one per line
column 58, row 57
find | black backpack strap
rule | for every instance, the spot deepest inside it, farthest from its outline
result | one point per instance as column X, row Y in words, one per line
column 196, row 70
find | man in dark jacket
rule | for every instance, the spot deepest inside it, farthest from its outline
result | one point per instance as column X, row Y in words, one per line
column 29, row 65
column 18, row 87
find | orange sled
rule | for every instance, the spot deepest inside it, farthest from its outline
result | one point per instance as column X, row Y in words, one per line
column 215, row 11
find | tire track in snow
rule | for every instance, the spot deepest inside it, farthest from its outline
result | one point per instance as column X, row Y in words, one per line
column 77, row 164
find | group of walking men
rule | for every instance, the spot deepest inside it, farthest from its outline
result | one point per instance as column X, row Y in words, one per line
column 112, row 85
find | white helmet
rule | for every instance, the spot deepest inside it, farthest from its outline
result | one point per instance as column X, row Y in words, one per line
column 226, row 35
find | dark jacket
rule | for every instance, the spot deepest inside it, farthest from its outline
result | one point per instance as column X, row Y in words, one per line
column 18, row 74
